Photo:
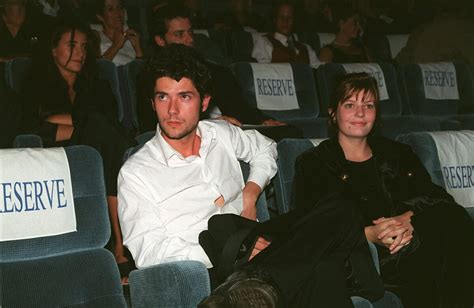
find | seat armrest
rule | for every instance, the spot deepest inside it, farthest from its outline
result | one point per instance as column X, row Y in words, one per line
column 174, row 284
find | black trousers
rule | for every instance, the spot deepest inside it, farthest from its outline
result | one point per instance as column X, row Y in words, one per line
column 440, row 272
column 309, row 252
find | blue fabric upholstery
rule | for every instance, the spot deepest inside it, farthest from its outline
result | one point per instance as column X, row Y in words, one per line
column 413, row 83
column 16, row 71
column 306, row 117
column 240, row 45
column 27, row 141
column 329, row 73
column 128, row 77
column 175, row 284
column 108, row 71
column 425, row 148
column 210, row 50
column 72, row 268
column 392, row 126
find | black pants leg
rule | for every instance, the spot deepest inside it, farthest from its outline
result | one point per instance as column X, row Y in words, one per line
column 440, row 272
column 309, row 250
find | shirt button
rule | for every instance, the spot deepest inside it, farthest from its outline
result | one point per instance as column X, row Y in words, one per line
column 410, row 174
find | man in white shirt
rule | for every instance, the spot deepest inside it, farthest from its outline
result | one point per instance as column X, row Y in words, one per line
column 189, row 171
column 282, row 45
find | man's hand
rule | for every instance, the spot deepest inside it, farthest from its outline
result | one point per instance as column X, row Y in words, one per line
column 250, row 195
column 260, row 245
column 134, row 39
column 271, row 122
column 231, row 120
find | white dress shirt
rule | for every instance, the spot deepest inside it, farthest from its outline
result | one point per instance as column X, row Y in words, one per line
column 263, row 50
column 165, row 199
column 124, row 55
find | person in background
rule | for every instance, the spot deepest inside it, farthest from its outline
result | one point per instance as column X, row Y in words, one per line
column 21, row 28
column 282, row 45
column 347, row 46
column 171, row 25
column 424, row 239
column 117, row 43
column 66, row 103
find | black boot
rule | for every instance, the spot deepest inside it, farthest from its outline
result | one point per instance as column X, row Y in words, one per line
column 250, row 287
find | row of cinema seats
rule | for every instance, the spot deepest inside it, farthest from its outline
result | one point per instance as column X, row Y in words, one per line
column 413, row 97
column 228, row 46
column 169, row 284
column 74, row 269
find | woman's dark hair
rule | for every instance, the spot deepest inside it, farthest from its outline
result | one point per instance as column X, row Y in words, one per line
column 341, row 12
column 100, row 6
column 177, row 61
column 349, row 85
column 43, row 61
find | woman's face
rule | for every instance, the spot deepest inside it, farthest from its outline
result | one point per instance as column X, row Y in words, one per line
column 350, row 27
column 356, row 115
column 70, row 54
column 113, row 15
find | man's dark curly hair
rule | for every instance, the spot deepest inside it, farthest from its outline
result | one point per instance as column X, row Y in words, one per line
column 178, row 61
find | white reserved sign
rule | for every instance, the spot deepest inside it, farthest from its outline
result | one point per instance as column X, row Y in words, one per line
column 457, row 164
column 439, row 80
column 274, row 86
column 374, row 70
column 36, row 197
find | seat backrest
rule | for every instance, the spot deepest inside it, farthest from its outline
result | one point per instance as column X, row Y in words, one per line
column 264, row 81
column 390, row 100
column 448, row 168
column 128, row 82
column 93, row 228
column 438, row 89
column 209, row 49
column 396, row 43
column 288, row 151
column 108, row 71
column 16, row 70
column 27, row 141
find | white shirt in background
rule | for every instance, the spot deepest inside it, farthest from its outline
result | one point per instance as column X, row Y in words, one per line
column 165, row 200
column 263, row 50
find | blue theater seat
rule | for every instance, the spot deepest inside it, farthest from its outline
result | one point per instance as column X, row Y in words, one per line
column 305, row 115
column 128, row 87
column 418, row 78
column 423, row 144
column 71, row 269
column 288, row 151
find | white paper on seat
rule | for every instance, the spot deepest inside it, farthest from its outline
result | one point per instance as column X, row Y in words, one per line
column 455, row 153
column 274, row 86
column 201, row 31
column 374, row 70
column 326, row 38
column 316, row 142
column 396, row 43
column 36, row 197
column 439, row 80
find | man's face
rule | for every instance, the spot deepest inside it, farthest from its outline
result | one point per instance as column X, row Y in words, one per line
column 177, row 105
column 180, row 31
column 284, row 20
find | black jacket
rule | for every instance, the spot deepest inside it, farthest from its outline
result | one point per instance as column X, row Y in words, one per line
column 404, row 182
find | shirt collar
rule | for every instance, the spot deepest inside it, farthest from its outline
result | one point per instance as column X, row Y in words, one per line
column 282, row 38
column 167, row 154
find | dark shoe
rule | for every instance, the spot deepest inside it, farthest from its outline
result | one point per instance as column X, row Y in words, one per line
column 246, row 288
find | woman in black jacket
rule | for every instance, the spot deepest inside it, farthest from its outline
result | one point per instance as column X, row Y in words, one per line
column 424, row 239
column 66, row 103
